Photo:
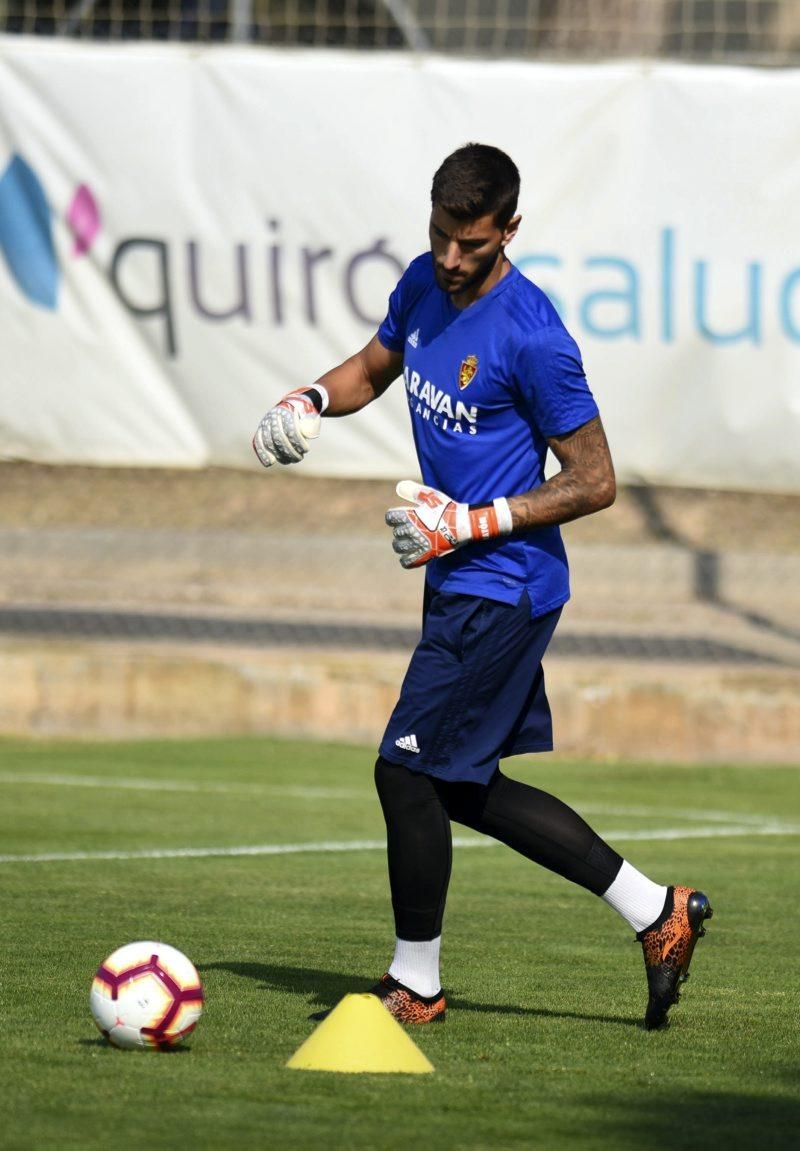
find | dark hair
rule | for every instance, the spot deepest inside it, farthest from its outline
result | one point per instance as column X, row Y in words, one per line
column 475, row 180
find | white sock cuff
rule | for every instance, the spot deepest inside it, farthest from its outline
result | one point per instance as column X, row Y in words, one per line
column 637, row 899
column 416, row 965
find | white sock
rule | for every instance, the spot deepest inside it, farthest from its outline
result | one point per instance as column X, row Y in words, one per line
column 416, row 964
column 638, row 900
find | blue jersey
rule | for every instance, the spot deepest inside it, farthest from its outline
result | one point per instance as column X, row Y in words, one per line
column 486, row 387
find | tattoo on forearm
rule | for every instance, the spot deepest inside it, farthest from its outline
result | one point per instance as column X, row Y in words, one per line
column 584, row 485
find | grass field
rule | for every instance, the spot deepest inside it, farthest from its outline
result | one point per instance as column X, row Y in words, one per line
column 543, row 1046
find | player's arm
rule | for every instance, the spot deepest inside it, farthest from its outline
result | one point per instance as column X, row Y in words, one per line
column 437, row 524
column 284, row 433
column 585, row 484
column 361, row 378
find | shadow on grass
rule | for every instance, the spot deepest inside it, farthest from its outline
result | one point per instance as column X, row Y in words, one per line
column 324, row 989
column 107, row 1045
column 671, row 1121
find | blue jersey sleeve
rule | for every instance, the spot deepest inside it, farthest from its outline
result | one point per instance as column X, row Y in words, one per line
column 552, row 383
column 392, row 333
column 411, row 285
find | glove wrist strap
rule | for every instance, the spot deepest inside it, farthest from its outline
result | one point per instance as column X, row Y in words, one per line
column 505, row 523
column 485, row 521
column 318, row 394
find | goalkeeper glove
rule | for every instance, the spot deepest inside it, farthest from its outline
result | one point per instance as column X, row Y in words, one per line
column 437, row 524
column 283, row 434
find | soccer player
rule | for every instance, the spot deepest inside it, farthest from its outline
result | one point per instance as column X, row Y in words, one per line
column 493, row 380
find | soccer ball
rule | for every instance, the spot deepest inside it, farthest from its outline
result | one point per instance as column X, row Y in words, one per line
column 146, row 995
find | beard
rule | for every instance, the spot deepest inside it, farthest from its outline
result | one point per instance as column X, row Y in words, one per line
column 454, row 285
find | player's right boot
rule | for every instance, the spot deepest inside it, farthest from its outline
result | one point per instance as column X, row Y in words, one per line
column 405, row 1005
column 668, row 945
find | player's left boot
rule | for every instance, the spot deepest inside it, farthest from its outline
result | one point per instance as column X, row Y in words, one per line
column 403, row 1003
column 668, row 945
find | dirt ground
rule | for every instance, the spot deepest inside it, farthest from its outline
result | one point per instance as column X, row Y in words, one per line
column 216, row 499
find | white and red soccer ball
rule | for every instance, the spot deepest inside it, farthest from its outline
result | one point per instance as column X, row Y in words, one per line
column 146, row 995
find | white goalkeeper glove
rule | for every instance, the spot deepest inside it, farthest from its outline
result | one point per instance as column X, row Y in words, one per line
column 283, row 435
column 437, row 524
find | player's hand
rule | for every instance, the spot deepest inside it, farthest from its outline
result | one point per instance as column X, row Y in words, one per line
column 283, row 435
column 437, row 524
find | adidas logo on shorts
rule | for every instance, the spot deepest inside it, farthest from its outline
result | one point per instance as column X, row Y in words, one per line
column 407, row 743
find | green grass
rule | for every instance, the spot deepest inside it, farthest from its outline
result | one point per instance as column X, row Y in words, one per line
column 543, row 1046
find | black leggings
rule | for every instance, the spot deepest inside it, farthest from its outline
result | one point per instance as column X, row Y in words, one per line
column 418, row 809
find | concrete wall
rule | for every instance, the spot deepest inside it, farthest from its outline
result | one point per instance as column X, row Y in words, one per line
column 628, row 710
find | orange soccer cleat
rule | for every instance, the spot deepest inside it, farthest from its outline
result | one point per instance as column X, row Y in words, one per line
column 668, row 945
column 405, row 1005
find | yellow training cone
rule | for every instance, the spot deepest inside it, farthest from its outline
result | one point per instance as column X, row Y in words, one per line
column 360, row 1035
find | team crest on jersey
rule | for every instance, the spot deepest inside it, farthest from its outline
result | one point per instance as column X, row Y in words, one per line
column 467, row 371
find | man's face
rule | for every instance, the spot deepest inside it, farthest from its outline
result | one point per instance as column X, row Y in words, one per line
column 468, row 255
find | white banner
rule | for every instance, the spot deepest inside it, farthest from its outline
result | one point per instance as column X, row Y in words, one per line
column 186, row 234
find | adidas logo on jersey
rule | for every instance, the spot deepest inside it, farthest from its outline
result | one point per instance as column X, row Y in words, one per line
column 413, row 339
column 407, row 743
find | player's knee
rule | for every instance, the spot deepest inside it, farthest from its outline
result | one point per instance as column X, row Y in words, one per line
column 400, row 789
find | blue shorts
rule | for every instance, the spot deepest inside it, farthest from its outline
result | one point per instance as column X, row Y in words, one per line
column 474, row 690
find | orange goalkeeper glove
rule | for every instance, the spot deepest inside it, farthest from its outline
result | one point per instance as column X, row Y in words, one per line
column 437, row 524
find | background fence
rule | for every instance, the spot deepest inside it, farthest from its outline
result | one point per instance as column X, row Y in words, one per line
column 761, row 31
